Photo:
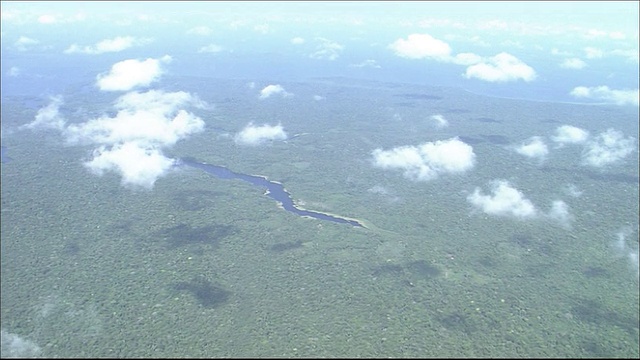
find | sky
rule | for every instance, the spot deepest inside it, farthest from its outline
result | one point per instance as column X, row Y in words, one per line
column 568, row 51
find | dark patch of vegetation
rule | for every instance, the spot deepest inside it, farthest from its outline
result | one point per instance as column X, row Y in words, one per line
column 193, row 200
column 457, row 111
column 471, row 140
column 488, row 262
column 183, row 234
column 497, row 139
column 388, row 269
column 595, row 272
column 282, row 247
column 593, row 312
column 419, row 96
column 423, row 268
column 208, row 294
column 71, row 248
column 487, row 120
column 457, row 321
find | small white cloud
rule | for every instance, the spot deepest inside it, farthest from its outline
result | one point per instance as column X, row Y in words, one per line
column 318, row 97
column 211, row 48
column 505, row 201
column 200, row 30
column 560, row 212
column 327, row 50
column 427, row 161
column 573, row 63
column 534, row 147
column 116, row 44
column 624, row 250
column 632, row 55
column 378, row 189
column 14, row 71
column 573, row 191
column 593, row 53
column 262, row 28
column 556, row 51
column 567, row 134
column 48, row 117
column 257, row 135
column 501, row 68
column 618, row 97
column 23, row 43
column 440, row 121
column 420, row 46
column 297, row 41
column 367, row 63
column 15, row 346
column 128, row 74
column 47, row 19
column 272, row 90
column 608, row 148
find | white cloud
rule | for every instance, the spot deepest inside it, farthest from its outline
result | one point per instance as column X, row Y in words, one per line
column 632, row 55
column 556, row 51
column 428, row 160
column 440, row 121
column 116, row 44
column 128, row 74
column 567, row 134
column 573, row 63
column 560, row 212
column 13, row 71
column 608, row 148
column 318, row 97
column 327, row 50
column 23, row 43
column 573, row 190
column 256, row 135
column 618, row 97
column 466, row 59
column 420, row 46
column 593, row 53
column 297, row 41
column 139, row 165
column 48, row 117
column 534, row 147
column 367, row 63
column 505, row 201
column 47, row 19
column 211, row 48
column 272, row 90
column 131, row 142
column 151, row 118
column 14, row 346
column 262, row 28
column 200, row 30
column 624, row 250
column 501, row 68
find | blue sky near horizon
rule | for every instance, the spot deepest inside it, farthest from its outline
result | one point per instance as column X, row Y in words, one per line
column 566, row 51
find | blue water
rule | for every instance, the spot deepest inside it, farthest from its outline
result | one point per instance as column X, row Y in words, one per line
column 274, row 190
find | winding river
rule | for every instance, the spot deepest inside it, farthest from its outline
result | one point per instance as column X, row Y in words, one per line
column 275, row 190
